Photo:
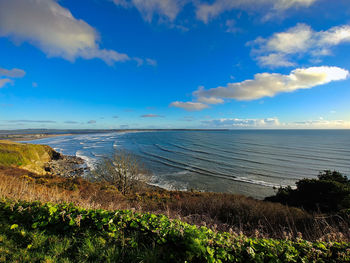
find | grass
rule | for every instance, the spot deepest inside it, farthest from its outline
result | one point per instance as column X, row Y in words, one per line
column 150, row 224
column 36, row 232
column 28, row 156
column 222, row 212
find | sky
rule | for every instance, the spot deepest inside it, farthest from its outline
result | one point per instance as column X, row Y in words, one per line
column 231, row 64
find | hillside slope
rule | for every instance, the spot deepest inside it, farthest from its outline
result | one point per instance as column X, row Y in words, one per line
column 30, row 157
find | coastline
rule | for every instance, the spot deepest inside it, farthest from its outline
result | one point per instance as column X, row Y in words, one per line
column 256, row 167
column 60, row 181
column 29, row 137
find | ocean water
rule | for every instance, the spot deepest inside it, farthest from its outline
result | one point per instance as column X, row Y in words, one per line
column 249, row 162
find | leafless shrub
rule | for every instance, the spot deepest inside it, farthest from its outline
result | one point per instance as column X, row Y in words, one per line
column 124, row 171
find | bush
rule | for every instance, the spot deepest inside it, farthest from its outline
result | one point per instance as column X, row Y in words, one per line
column 123, row 170
column 330, row 192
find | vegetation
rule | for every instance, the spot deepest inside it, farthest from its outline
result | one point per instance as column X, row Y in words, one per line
column 115, row 224
column 330, row 192
column 27, row 156
column 123, row 170
column 220, row 212
column 64, row 233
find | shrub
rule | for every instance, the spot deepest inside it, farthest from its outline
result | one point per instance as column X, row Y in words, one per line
column 330, row 192
column 123, row 170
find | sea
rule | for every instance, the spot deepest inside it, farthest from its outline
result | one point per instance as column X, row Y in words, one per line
column 249, row 162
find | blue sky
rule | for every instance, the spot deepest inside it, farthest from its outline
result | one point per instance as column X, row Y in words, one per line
column 174, row 64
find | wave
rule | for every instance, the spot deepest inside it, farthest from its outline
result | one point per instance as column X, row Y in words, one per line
column 301, row 157
column 230, row 167
column 259, row 158
column 90, row 162
column 298, row 149
column 217, row 175
column 237, row 158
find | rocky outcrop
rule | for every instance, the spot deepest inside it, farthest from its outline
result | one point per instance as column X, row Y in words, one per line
column 40, row 159
column 67, row 166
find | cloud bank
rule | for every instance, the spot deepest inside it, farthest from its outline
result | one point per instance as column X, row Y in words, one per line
column 274, row 123
column 52, row 28
column 242, row 123
column 279, row 49
column 264, row 85
column 271, row 84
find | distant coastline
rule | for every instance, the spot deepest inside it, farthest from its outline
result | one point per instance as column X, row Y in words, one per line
column 36, row 134
column 28, row 137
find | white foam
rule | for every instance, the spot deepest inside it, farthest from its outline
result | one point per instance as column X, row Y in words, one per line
column 258, row 182
column 156, row 180
column 90, row 162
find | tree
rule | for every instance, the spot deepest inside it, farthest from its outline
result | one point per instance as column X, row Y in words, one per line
column 123, row 170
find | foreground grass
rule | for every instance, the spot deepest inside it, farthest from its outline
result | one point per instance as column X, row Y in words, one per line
column 35, row 232
column 223, row 212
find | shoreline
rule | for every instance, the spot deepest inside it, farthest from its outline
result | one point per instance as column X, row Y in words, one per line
column 29, row 137
column 264, row 190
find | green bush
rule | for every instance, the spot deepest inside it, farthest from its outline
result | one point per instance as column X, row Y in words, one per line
column 330, row 192
column 35, row 232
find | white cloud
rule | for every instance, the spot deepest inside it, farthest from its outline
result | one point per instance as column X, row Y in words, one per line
column 279, row 49
column 52, row 28
column 274, row 123
column 271, row 84
column 8, row 74
column 31, row 121
column 231, row 26
column 242, row 123
column 12, row 73
column 275, row 60
column 3, row 82
column 151, row 116
column 286, row 4
column 321, row 124
column 210, row 100
column 168, row 9
column 189, row 106
column 206, row 12
column 151, row 62
column 123, row 3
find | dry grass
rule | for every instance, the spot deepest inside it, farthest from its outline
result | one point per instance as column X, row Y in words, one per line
column 18, row 184
column 219, row 211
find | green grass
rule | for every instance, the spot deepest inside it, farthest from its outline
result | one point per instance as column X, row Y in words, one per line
column 35, row 232
column 29, row 156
